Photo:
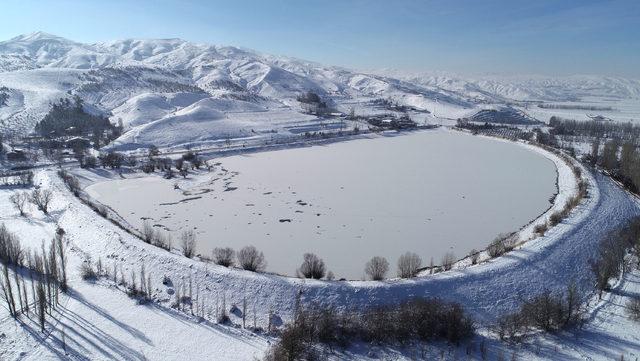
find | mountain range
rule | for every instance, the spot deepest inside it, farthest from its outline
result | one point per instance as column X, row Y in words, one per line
column 171, row 91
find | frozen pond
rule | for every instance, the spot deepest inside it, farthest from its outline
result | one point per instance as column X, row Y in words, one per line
column 428, row 192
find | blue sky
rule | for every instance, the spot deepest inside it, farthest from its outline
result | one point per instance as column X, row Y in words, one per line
column 551, row 37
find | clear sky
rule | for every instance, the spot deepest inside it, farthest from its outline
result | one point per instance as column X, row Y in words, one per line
column 552, row 37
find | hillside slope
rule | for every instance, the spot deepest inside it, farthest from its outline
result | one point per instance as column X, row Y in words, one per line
column 144, row 82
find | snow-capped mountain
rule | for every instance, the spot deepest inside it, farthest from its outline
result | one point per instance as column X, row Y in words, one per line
column 499, row 88
column 165, row 81
column 162, row 86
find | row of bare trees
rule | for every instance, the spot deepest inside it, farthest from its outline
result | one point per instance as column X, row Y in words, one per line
column 164, row 240
column 376, row 269
column 408, row 266
column 620, row 159
column 609, row 261
column 46, row 272
column 22, row 178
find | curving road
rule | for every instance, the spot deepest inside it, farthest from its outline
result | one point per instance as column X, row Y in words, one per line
column 486, row 290
column 490, row 289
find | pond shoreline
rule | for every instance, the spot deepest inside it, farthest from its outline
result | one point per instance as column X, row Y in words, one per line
column 337, row 225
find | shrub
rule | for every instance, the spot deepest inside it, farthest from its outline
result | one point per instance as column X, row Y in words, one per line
column 504, row 242
column 87, row 272
column 250, row 259
column 312, row 266
column 540, row 229
column 474, row 255
column 330, row 276
column 224, row 256
column 555, row 218
column 408, row 265
column 377, row 268
column 71, row 182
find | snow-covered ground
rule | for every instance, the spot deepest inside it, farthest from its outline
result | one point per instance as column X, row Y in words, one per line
column 621, row 110
column 486, row 290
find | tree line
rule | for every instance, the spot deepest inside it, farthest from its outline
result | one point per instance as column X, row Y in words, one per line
column 594, row 128
column 620, row 159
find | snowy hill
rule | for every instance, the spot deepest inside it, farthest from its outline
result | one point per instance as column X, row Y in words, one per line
column 530, row 88
column 152, row 85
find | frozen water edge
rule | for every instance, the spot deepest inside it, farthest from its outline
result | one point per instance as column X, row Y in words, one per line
column 278, row 293
column 349, row 201
column 567, row 187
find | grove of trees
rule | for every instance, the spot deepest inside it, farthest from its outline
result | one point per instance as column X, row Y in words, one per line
column 69, row 118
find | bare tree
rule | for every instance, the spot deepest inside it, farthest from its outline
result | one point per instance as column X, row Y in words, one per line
column 19, row 201
column 42, row 305
column 595, row 147
column 607, row 263
column 312, row 266
column 408, row 265
column 41, row 198
column 330, row 276
column 87, row 272
column 62, row 255
column 609, row 159
column 188, row 243
column 223, row 256
column 377, row 268
column 148, row 233
column 250, row 259
column 7, row 292
column 448, row 260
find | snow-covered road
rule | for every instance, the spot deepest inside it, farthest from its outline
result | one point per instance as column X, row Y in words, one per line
column 487, row 290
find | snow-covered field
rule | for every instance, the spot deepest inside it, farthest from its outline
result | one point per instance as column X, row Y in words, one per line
column 102, row 323
column 621, row 110
column 349, row 201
